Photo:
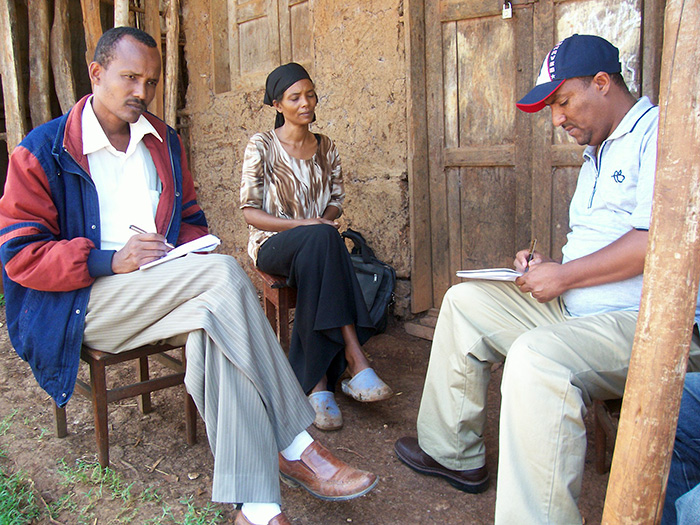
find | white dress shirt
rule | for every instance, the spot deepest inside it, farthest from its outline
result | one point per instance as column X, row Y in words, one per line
column 127, row 183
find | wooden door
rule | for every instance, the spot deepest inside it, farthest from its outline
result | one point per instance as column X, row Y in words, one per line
column 497, row 177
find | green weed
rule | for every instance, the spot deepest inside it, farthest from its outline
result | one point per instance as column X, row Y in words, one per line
column 6, row 422
column 17, row 503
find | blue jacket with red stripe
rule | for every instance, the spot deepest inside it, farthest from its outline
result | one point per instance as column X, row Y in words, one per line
column 50, row 240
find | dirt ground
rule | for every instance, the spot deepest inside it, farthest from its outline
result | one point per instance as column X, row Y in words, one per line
column 139, row 441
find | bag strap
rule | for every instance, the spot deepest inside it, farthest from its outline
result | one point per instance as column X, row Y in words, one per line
column 360, row 245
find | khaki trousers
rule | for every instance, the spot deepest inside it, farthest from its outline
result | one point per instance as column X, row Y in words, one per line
column 556, row 366
column 237, row 374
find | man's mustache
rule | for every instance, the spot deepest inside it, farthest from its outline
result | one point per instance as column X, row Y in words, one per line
column 139, row 103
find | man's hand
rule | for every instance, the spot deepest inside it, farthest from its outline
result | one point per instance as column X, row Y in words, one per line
column 321, row 220
column 139, row 250
column 520, row 262
column 543, row 280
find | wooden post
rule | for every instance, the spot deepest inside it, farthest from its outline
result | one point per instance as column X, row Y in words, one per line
column 652, row 37
column 61, row 56
column 11, row 77
column 172, row 57
column 92, row 26
column 39, row 104
column 152, row 27
column 657, row 369
column 121, row 13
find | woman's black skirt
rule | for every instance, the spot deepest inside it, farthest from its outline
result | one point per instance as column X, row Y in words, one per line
column 316, row 262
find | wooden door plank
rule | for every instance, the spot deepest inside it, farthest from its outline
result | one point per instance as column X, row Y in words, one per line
column 152, row 27
column 61, row 53
column 501, row 155
column 541, row 132
column 172, row 61
column 523, row 151
column 11, row 77
column 417, row 145
column 438, row 191
column 39, row 78
column 92, row 26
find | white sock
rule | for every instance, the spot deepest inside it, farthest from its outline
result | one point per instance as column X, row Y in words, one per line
column 260, row 513
column 301, row 442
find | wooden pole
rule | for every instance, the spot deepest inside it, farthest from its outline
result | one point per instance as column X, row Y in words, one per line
column 39, row 104
column 172, row 57
column 11, row 77
column 121, row 13
column 152, row 27
column 659, row 358
column 61, row 56
column 92, row 26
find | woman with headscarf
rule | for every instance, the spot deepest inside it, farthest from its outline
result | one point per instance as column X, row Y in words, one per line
column 291, row 193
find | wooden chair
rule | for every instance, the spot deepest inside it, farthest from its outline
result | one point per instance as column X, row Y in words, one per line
column 605, row 417
column 279, row 299
column 101, row 395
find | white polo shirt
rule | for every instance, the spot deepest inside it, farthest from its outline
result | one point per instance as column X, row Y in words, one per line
column 613, row 196
column 127, row 183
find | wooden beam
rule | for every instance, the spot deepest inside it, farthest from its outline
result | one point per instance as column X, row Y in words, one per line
column 481, row 156
column 152, row 27
column 652, row 44
column 61, row 61
column 11, row 77
column 121, row 13
column 654, row 385
column 39, row 78
column 172, row 61
column 418, row 173
column 92, row 26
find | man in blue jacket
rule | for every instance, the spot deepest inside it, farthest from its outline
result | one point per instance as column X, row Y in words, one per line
column 70, row 270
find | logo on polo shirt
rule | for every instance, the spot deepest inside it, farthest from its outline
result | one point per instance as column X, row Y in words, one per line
column 618, row 176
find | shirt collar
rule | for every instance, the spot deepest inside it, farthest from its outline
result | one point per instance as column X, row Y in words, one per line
column 95, row 139
column 626, row 125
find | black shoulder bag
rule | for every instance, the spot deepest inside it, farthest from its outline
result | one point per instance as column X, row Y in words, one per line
column 377, row 279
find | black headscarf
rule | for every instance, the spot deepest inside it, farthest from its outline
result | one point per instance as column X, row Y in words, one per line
column 279, row 81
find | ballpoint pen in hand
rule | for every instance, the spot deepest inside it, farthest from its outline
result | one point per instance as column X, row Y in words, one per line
column 141, row 230
column 530, row 254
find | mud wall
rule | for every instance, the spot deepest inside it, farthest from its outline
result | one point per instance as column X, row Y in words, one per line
column 357, row 61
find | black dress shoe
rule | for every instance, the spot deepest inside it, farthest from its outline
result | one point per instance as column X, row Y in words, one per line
column 473, row 481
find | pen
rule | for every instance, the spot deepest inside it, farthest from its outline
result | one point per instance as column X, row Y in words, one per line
column 530, row 253
column 140, row 230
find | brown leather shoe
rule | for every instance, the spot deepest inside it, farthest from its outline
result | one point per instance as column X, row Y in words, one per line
column 325, row 476
column 473, row 481
column 280, row 519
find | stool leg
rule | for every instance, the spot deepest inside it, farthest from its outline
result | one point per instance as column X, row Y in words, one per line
column 283, row 318
column 60, row 420
column 99, row 404
column 190, row 410
column 144, row 400
column 271, row 312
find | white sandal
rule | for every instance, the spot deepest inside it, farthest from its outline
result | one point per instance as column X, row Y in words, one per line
column 328, row 416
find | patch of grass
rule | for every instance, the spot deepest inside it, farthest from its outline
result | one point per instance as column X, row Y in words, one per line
column 207, row 515
column 6, row 422
column 2, row 299
column 17, row 503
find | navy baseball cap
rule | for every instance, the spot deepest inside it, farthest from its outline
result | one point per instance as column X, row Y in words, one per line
column 576, row 56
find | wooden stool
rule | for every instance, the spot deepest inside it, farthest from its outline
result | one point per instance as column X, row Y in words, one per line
column 605, row 413
column 101, row 395
column 279, row 299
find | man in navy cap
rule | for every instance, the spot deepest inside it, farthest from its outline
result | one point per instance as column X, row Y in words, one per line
column 565, row 326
